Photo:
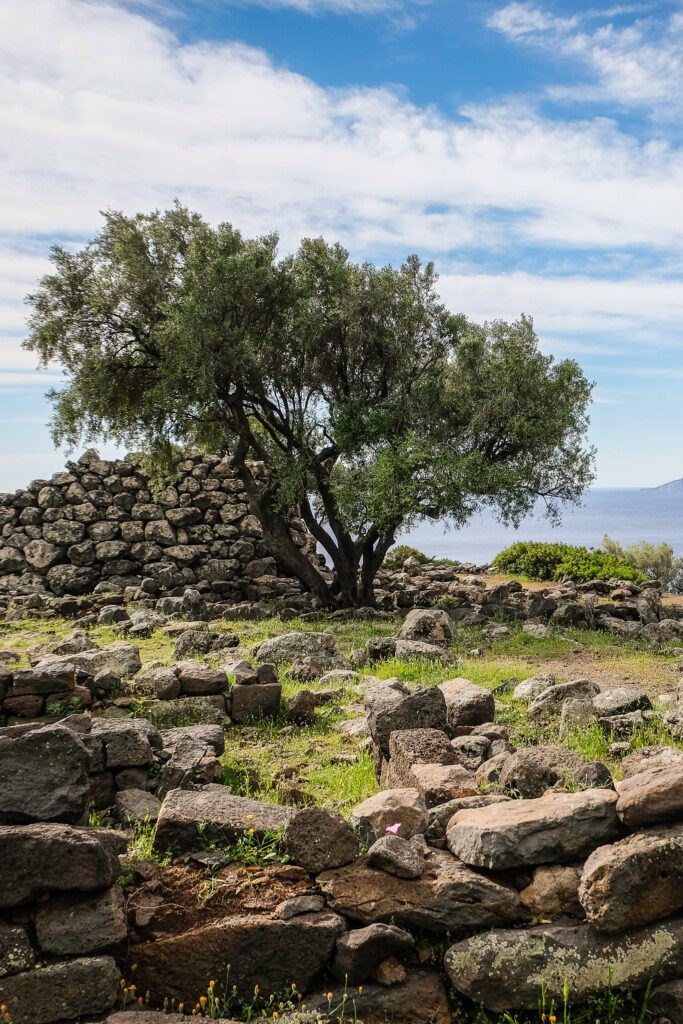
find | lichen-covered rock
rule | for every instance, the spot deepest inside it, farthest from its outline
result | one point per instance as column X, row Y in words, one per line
column 432, row 625
column 529, row 772
column 505, row 969
column 634, row 881
column 290, row 646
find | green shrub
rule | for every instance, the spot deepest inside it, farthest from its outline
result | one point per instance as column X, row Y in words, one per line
column 532, row 558
column 540, row 561
column 582, row 564
column 657, row 561
column 397, row 556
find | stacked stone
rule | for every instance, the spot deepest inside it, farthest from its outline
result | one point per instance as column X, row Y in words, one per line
column 102, row 521
column 61, row 910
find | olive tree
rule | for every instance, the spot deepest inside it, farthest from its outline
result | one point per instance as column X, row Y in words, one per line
column 372, row 405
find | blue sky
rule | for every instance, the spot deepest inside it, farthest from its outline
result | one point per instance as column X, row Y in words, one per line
column 534, row 151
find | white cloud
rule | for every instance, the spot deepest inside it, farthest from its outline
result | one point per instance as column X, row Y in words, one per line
column 102, row 107
column 638, row 64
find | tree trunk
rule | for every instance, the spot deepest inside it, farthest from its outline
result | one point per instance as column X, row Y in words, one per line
column 279, row 539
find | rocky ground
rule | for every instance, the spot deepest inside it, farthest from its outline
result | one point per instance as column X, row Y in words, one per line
column 421, row 814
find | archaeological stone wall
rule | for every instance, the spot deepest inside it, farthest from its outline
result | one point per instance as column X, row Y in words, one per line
column 101, row 525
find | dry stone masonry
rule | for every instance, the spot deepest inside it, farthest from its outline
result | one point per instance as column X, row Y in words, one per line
column 101, row 526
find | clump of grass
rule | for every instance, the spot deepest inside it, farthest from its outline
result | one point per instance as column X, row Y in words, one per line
column 140, row 849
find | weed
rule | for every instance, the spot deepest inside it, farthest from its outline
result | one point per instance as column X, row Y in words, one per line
column 250, row 848
column 140, row 849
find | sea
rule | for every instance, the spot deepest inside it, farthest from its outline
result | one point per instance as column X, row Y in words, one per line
column 627, row 515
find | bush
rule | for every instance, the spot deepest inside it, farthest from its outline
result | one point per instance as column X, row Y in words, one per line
column 533, row 559
column 397, row 556
column 657, row 561
column 539, row 561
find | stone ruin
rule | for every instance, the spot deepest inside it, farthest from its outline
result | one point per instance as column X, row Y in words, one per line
column 531, row 865
column 100, row 526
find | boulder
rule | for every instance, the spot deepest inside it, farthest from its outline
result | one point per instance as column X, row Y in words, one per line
column 290, row 646
column 553, row 891
column 441, row 782
column 447, row 897
column 405, row 650
column 205, row 735
column 652, row 796
column 558, row 827
column 618, row 700
column 200, row 680
column 410, row 747
column 128, row 742
column 362, row 949
column 471, row 751
column 87, row 987
column 121, row 659
column 634, row 881
column 505, row 969
column 392, row 710
column 190, row 710
column 260, row 949
column 223, row 818
column 404, row 858
column 134, row 806
column 250, row 703
column 317, row 839
column 432, row 625
column 43, row 776
column 532, row 770
column 466, row 703
column 441, row 814
column 404, row 807
column 548, row 704
column 533, row 687
column 43, row 858
column 644, row 758
column 161, row 682
column 92, row 925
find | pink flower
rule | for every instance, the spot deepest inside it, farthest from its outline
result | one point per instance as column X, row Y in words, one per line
column 394, row 828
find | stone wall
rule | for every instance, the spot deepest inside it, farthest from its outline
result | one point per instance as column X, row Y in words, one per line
column 99, row 525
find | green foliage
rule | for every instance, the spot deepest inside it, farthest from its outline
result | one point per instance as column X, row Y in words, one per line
column 536, row 560
column 372, row 405
column 397, row 556
column 582, row 564
column 250, row 848
column 657, row 561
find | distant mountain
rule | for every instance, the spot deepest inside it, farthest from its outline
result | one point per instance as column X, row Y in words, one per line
column 673, row 485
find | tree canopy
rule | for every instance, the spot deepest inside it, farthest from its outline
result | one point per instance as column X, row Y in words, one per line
column 373, row 406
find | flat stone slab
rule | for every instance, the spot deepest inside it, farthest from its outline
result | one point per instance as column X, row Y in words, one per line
column 447, row 897
column 223, row 819
column 554, row 828
column 652, row 796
